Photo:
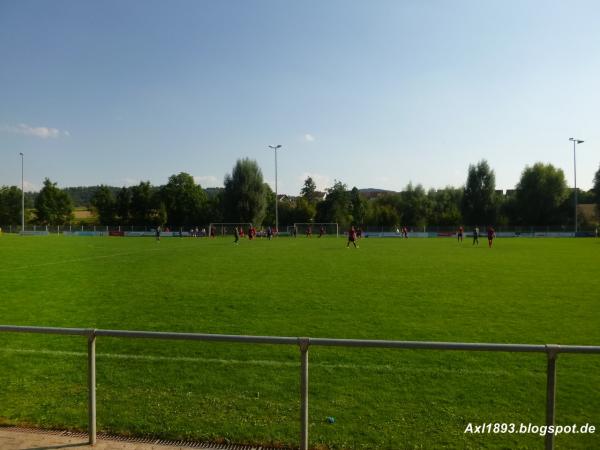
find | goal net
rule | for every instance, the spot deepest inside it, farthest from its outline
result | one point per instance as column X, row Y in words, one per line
column 316, row 229
column 227, row 229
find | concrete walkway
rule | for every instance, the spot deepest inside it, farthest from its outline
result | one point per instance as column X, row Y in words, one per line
column 26, row 439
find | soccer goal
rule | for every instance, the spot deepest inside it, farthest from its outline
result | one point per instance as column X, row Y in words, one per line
column 317, row 229
column 227, row 229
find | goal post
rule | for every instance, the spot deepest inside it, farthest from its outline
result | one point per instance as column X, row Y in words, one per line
column 226, row 228
column 317, row 229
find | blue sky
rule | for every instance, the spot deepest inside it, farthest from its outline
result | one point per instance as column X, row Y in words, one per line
column 375, row 94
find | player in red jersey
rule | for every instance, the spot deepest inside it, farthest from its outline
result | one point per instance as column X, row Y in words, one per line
column 352, row 237
column 459, row 234
column 321, row 231
column 491, row 235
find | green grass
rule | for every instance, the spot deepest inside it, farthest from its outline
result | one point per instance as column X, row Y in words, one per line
column 521, row 291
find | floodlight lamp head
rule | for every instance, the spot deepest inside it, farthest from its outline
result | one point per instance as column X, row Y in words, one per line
column 21, row 153
column 579, row 142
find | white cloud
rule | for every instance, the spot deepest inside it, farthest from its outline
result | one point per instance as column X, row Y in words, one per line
column 321, row 181
column 40, row 132
column 309, row 137
column 207, row 181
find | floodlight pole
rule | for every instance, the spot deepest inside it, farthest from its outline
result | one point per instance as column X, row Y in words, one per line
column 575, row 142
column 276, row 147
column 22, row 196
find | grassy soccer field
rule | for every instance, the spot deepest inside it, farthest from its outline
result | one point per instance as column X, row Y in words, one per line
column 521, row 291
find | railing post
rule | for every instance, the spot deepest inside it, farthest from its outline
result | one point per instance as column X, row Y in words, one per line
column 552, row 352
column 304, row 343
column 92, row 387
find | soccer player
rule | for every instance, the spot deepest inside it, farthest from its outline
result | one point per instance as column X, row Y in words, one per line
column 236, row 234
column 158, row 233
column 352, row 238
column 459, row 234
column 269, row 233
column 212, row 232
column 491, row 233
column 321, row 231
column 476, row 236
column 309, row 232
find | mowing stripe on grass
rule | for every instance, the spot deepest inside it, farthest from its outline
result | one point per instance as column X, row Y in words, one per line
column 262, row 362
column 67, row 261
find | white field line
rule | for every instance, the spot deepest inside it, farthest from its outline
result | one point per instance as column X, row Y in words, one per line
column 261, row 362
column 73, row 260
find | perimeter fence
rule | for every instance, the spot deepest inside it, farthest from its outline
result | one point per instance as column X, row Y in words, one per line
column 551, row 350
column 371, row 230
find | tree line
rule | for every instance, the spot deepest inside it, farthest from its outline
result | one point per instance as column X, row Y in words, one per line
column 540, row 198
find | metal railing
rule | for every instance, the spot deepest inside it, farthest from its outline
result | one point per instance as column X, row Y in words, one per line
column 304, row 343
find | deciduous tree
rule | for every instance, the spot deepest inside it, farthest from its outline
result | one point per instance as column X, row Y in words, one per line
column 541, row 192
column 103, row 201
column 10, row 205
column 244, row 194
column 53, row 206
column 184, row 201
column 479, row 199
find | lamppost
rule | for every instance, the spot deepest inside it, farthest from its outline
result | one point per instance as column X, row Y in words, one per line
column 575, row 142
column 22, row 197
column 276, row 147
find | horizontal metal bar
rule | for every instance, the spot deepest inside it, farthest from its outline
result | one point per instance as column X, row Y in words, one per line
column 199, row 337
column 424, row 345
column 577, row 349
column 324, row 342
column 47, row 330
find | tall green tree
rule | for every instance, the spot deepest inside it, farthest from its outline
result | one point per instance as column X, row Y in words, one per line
column 304, row 211
column 184, row 201
column 358, row 206
column 382, row 214
column 445, row 206
column 215, row 207
column 103, row 201
column 269, row 217
column 10, row 205
column 53, row 206
column 123, row 206
column 385, row 210
column 336, row 207
column 415, row 206
column 479, row 204
column 596, row 189
column 143, row 204
column 541, row 192
column 244, row 194
column 309, row 191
